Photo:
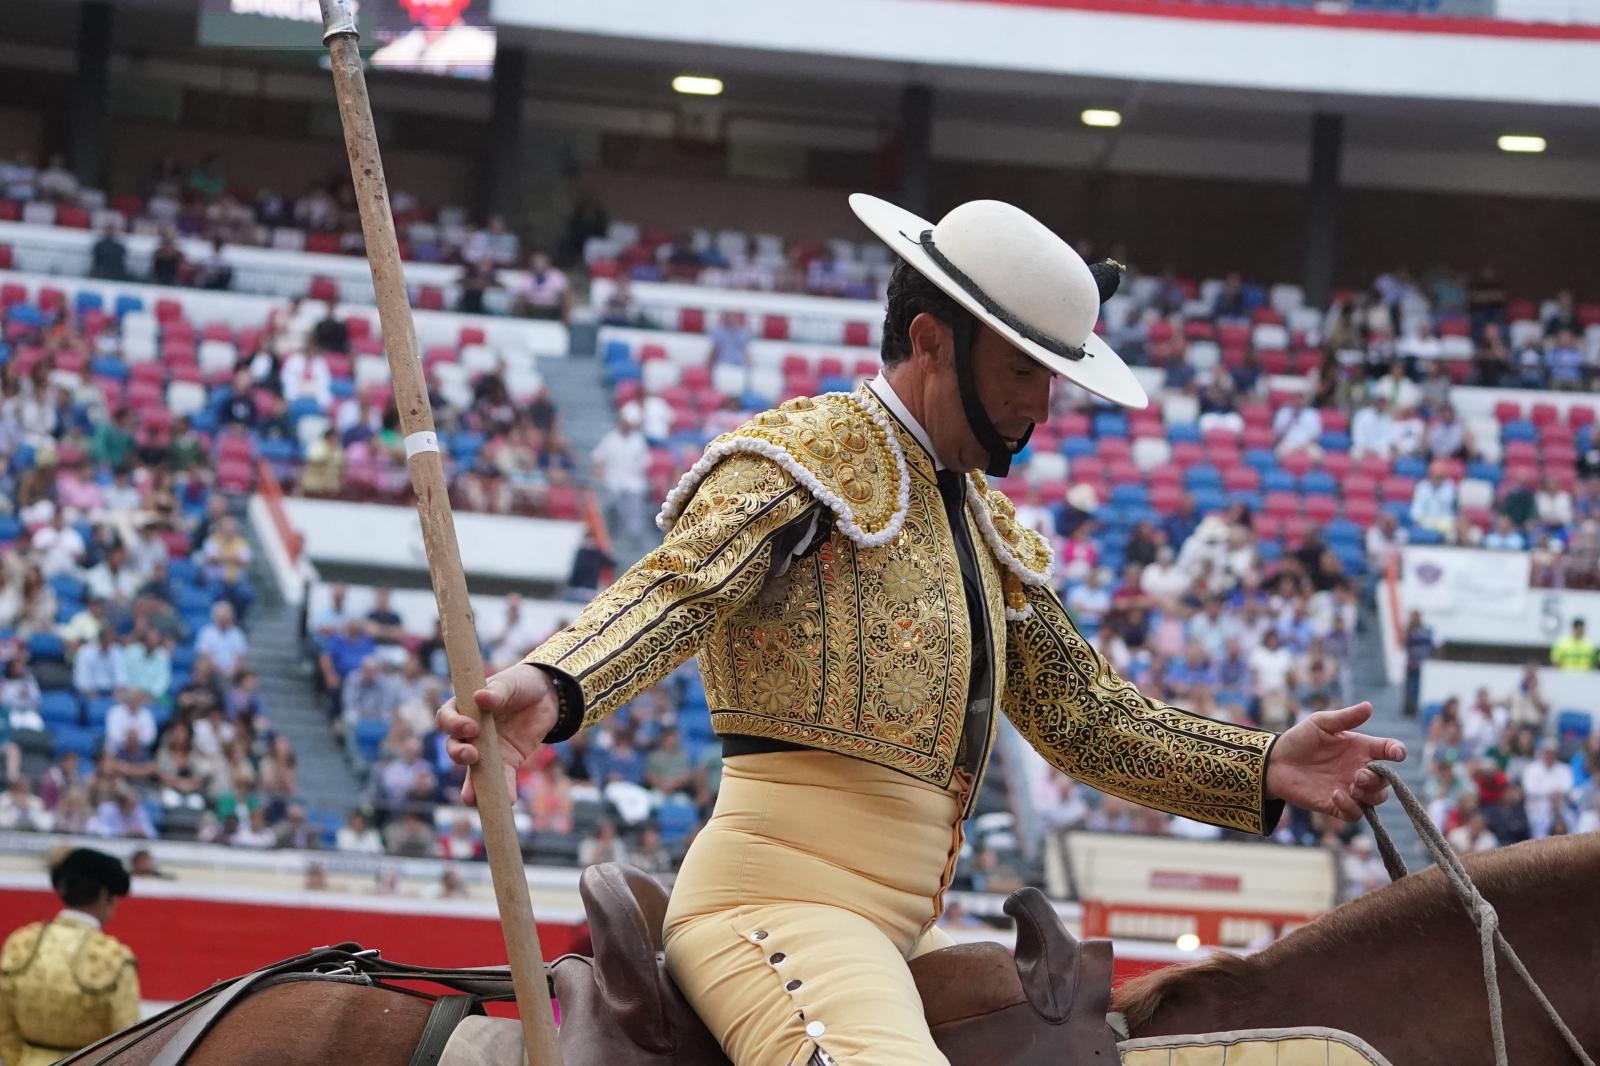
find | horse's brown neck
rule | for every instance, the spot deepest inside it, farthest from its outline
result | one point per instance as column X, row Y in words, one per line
column 1401, row 967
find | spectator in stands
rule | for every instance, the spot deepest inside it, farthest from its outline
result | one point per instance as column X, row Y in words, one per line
column 666, row 768
column 370, row 694
column 1486, row 301
column 548, row 294
column 1472, row 835
column 1396, row 387
column 97, row 665
column 356, row 835
column 460, row 841
column 549, row 799
column 215, row 271
column 147, row 663
column 1553, row 505
column 254, row 832
column 108, row 257
column 1491, row 359
column 1563, row 317
column 1447, row 436
column 20, row 809
column 114, row 578
column 1575, row 651
column 222, row 640
column 1420, row 645
column 477, row 278
column 295, row 832
column 1296, row 427
column 167, row 262
column 1546, row 784
column 280, row 775
column 648, row 853
column 603, row 845
column 619, row 464
column 1433, row 502
column 406, row 777
column 1372, row 430
column 1504, row 536
column 410, row 836
column 1526, row 702
column 1564, row 362
column 56, row 182
column 59, row 548
column 122, row 816
column 1232, row 303
column 184, row 779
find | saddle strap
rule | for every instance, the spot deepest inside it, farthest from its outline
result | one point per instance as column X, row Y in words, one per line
column 442, row 1021
column 205, row 1016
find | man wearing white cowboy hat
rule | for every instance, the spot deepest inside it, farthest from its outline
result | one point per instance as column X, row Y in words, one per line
column 861, row 602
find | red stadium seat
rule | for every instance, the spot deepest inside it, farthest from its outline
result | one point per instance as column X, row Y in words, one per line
column 51, row 300
column 439, row 353
column 430, row 298
column 10, row 211
column 1507, row 411
column 1398, row 489
column 322, row 244
column 1123, row 472
column 5, row 257
column 1306, row 360
column 691, row 320
column 1295, row 530
column 1589, row 314
column 1373, row 466
column 1520, row 451
column 1072, row 424
column 648, row 352
column 472, row 335
column 866, row 368
column 1267, row 526
column 129, row 206
column 1165, row 475
column 167, row 311
column 1321, row 509
column 1297, row 463
column 1109, row 448
column 1274, row 362
column 1146, row 423
column 1232, row 336
column 1187, row 453
column 695, row 378
column 1543, row 414
column 1257, row 437
column 1241, row 479
column 1166, row 498
column 72, row 216
column 830, row 367
column 325, row 289
column 1337, row 463
column 1579, row 416
column 775, row 328
column 857, row 334
column 1362, row 510
column 1282, row 503
column 603, row 268
column 217, row 331
column 1159, row 332
column 1199, row 330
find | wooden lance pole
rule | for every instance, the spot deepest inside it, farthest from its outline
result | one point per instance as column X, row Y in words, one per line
column 439, row 533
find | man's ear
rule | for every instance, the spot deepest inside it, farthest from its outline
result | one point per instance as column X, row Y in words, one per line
column 931, row 337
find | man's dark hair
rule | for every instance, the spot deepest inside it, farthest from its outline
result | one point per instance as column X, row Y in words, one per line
column 911, row 294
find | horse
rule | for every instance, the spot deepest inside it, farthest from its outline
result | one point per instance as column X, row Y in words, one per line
column 1401, row 967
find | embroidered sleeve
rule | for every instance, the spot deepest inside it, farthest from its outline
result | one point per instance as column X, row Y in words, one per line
column 655, row 616
column 1065, row 698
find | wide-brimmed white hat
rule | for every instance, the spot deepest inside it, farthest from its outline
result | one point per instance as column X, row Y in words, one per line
column 1017, row 278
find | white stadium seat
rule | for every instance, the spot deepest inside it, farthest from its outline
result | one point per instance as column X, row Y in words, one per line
column 39, row 213
column 660, row 374
column 1047, row 466
column 185, row 398
column 1524, row 331
column 1203, row 355
column 1151, row 452
column 216, row 356
column 1270, row 337
column 1286, row 299
column 479, row 359
column 371, row 370
column 729, row 380
column 1474, row 492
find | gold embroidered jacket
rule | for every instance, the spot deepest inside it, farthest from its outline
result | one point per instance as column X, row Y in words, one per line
column 63, row 986
column 863, row 646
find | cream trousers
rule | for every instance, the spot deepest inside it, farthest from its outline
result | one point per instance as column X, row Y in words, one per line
column 798, row 905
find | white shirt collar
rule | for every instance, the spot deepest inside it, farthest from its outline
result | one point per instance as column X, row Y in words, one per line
column 78, row 916
column 884, row 391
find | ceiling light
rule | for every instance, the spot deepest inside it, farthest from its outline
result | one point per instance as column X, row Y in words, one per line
column 1102, row 118
column 1516, row 142
column 1188, row 942
column 695, row 85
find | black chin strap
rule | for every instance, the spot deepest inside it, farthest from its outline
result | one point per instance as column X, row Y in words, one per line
column 1000, row 453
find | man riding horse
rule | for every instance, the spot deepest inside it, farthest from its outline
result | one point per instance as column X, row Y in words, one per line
column 862, row 602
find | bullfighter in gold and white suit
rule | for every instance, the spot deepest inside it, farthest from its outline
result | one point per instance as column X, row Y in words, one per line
column 862, row 602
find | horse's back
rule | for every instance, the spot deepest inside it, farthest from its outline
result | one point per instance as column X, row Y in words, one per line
column 296, row 1021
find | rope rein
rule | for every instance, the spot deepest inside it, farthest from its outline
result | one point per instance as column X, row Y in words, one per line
column 1481, row 911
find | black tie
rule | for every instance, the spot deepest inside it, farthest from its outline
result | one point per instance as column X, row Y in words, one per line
column 952, row 489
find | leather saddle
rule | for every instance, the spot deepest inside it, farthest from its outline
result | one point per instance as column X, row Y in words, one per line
column 1044, row 1006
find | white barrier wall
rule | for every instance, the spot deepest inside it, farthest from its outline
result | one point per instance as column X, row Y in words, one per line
column 418, row 610
column 1470, row 596
column 1564, row 689
column 61, row 250
column 499, row 546
column 512, row 337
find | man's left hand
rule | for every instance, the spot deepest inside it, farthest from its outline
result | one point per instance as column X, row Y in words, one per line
column 1320, row 764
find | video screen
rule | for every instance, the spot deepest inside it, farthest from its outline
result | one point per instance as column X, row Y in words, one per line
column 452, row 38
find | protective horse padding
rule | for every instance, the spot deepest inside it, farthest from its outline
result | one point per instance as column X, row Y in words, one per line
column 1310, row 1045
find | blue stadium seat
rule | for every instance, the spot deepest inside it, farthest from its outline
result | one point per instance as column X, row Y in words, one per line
column 1430, row 711
column 617, row 352
column 302, row 407
column 1342, row 531
column 369, row 738
column 183, row 571
column 10, row 528
column 1208, row 498
column 66, row 609
column 88, row 301
column 1318, row 481
column 836, row 384
column 67, row 587
column 1247, row 497
column 1412, row 467
column 125, row 304
column 1270, row 551
column 108, row 366
column 1183, row 431
column 22, row 458
column 1401, row 511
column 47, row 647
column 1574, row 727
column 676, row 817
column 1202, row 475
column 1130, row 495
column 1489, row 472
column 1423, row 535
column 1278, row 481
column 61, row 707
column 96, row 709
column 85, row 742
column 205, row 421
column 342, row 388
column 1077, row 447
column 278, row 450
column 1261, row 459
column 754, row 401
column 1334, row 441
column 1521, row 429
column 1110, row 424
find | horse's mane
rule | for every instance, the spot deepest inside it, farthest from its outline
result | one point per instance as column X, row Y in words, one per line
column 1550, row 866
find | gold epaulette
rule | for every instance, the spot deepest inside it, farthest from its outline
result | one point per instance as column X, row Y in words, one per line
column 100, row 962
column 1022, row 551
column 838, row 447
column 20, row 948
